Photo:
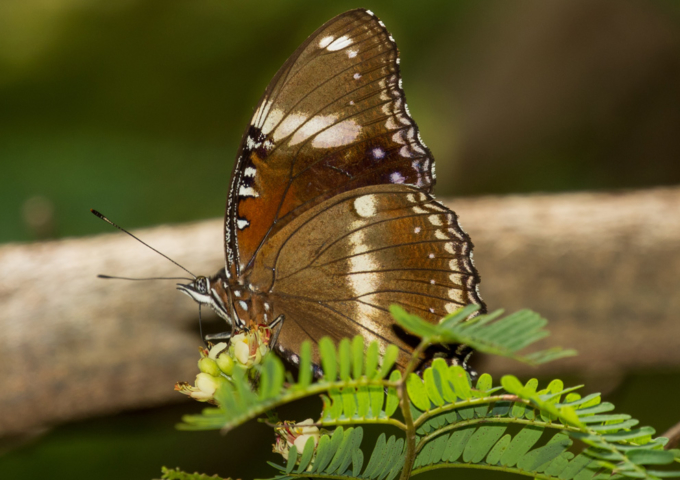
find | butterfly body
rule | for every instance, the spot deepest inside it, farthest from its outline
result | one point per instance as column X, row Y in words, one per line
column 329, row 216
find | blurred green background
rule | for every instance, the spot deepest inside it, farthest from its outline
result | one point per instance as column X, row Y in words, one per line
column 136, row 108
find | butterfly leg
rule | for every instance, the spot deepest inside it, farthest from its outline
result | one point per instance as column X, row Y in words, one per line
column 276, row 329
column 218, row 337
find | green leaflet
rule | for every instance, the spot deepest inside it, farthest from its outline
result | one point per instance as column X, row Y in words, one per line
column 392, row 398
column 651, row 457
column 325, row 451
column 292, row 458
column 577, row 464
column 558, row 465
column 391, row 353
column 413, row 323
column 357, row 356
column 357, row 462
column 378, row 452
column 339, row 447
column 305, row 372
column 177, row 474
column 363, row 401
column 461, row 383
column 523, row 441
column 481, row 442
column 397, row 459
column 328, row 361
column 393, row 460
column 337, row 404
column 441, row 376
column 417, row 392
column 345, row 356
column 376, row 398
column 381, row 464
column 538, row 459
column 353, row 444
column 438, row 447
column 495, row 454
column 484, row 383
column 349, row 402
column 433, row 386
column 372, row 358
column 456, row 444
column 307, row 453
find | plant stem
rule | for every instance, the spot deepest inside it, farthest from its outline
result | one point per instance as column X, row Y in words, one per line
column 405, row 404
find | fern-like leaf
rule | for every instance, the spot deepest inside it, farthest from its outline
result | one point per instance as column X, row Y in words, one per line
column 485, row 333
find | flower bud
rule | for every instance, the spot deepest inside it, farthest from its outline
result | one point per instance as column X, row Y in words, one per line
column 225, row 362
column 209, row 366
column 216, row 349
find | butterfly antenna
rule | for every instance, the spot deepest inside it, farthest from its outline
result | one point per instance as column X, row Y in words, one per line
column 111, row 277
column 97, row 214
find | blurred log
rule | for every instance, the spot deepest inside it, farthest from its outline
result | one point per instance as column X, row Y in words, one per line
column 604, row 268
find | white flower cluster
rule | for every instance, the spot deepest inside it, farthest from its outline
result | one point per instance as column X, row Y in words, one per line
column 289, row 434
column 244, row 350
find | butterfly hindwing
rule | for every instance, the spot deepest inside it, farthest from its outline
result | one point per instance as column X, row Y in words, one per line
column 335, row 269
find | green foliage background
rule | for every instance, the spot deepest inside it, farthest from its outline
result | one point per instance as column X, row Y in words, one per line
column 136, row 108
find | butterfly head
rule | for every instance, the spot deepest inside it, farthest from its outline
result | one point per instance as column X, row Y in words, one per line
column 211, row 291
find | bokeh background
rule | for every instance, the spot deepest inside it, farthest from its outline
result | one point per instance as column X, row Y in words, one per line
column 136, row 108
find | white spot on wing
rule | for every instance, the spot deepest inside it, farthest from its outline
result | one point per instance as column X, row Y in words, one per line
column 360, row 284
column 242, row 223
column 244, row 191
column 325, row 41
column 249, row 172
column 378, row 153
column 397, row 177
column 337, row 135
column 339, row 43
column 311, row 127
column 252, row 144
column 243, row 304
column 288, row 125
column 366, row 206
column 357, row 76
column 271, row 120
column 435, row 220
column 352, row 53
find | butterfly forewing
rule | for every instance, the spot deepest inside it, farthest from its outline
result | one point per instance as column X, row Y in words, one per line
column 333, row 119
column 335, row 269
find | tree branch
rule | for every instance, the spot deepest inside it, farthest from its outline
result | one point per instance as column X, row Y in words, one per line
column 601, row 267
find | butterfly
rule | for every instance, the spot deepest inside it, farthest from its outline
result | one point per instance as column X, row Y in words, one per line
column 330, row 216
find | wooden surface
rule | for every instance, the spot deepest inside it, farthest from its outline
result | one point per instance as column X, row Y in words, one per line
column 603, row 268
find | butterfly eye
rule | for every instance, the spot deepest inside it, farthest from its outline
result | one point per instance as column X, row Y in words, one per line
column 202, row 285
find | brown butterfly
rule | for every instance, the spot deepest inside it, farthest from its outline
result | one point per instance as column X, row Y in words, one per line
column 330, row 217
